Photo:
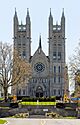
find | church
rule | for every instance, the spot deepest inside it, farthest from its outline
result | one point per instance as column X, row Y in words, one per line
column 48, row 72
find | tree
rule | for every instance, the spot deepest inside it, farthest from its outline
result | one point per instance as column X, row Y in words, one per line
column 74, row 68
column 12, row 67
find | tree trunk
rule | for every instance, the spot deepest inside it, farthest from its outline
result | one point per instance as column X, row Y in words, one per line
column 5, row 94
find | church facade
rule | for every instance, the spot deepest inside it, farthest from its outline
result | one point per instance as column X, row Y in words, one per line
column 48, row 77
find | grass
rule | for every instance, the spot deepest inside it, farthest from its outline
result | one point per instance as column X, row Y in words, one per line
column 68, row 108
column 2, row 121
column 1, row 98
column 79, row 104
column 69, row 117
column 6, row 107
column 38, row 103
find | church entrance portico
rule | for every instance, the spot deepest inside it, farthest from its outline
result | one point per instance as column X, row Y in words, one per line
column 39, row 92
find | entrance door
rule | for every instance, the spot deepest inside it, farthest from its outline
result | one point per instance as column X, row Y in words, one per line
column 39, row 91
column 39, row 94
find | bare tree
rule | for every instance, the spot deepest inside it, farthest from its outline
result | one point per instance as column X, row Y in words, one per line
column 12, row 68
column 74, row 68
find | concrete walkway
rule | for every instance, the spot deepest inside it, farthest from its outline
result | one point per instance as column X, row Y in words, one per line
column 19, row 121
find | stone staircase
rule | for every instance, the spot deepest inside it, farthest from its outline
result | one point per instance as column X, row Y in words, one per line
column 37, row 116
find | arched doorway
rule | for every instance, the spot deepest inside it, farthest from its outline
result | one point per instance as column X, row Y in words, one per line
column 39, row 91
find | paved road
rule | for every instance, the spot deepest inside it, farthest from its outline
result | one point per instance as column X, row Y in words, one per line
column 13, row 121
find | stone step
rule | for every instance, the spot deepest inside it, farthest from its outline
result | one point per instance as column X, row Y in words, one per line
column 37, row 116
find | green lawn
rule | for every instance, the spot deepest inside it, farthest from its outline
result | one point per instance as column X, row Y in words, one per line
column 1, row 98
column 6, row 107
column 2, row 121
column 38, row 103
column 69, row 117
column 79, row 104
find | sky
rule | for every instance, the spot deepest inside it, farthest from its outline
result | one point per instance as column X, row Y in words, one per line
column 39, row 13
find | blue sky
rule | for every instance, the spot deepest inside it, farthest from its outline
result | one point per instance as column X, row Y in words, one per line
column 39, row 13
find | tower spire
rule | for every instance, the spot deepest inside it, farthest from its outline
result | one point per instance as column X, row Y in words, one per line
column 15, row 17
column 63, row 23
column 21, row 22
column 40, row 42
column 28, row 25
column 50, row 13
column 50, row 24
column 50, row 16
column 28, row 17
column 28, row 12
column 15, row 12
column 63, row 12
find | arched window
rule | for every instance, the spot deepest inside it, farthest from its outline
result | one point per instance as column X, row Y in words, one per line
column 59, row 79
column 54, row 69
column 19, row 91
column 54, row 91
column 59, row 92
column 54, row 55
column 59, row 69
column 54, row 79
column 24, row 92
column 59, row 55
column 24, row 53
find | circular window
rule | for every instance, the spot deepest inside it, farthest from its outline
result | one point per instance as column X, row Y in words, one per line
column 39, row 67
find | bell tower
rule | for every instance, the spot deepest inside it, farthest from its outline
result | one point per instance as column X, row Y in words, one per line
column 22, row 36
column 57, row 55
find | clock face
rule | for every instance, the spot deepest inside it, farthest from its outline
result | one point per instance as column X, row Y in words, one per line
column 39, row 67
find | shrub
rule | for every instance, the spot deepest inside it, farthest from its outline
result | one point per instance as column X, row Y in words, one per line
column 21, row 115
column 53, row 115
column 25, row 99
column 60, row 105
column 14, row 105
column 41, row 99
column 53, row 98
column 10, row 98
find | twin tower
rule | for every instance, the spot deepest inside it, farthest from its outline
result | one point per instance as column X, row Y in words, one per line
column 22, row 34
column 47, row 71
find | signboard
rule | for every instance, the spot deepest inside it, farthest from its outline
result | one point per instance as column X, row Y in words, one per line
column 65, row 98
column 74, row 99
column 45, row 110
column 14, row 98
